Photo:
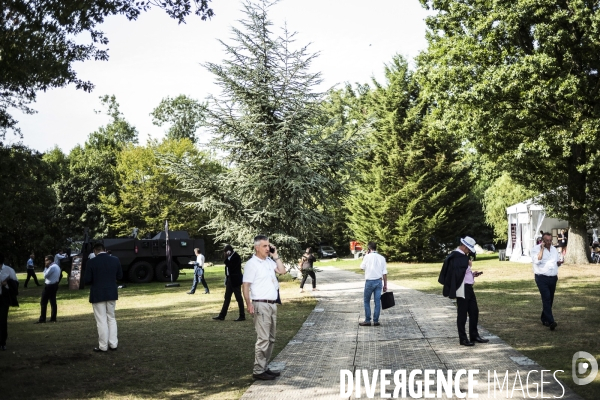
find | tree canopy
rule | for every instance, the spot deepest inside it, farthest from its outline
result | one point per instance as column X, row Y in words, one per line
column 183, row 115
column 519, row 80
column 410, row 191
column 40, row 41
column 268, row 124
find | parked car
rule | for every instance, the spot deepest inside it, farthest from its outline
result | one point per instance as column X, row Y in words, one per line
column 326, row 252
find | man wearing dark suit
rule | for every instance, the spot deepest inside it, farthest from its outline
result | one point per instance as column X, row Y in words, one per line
column 102, row 273
column 233, row 283
column 458, row 280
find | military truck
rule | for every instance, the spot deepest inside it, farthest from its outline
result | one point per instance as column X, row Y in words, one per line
column 143, row 260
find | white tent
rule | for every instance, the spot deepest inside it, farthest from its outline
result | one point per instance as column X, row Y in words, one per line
column 525, row 221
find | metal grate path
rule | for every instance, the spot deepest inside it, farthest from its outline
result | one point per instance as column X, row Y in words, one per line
column 418, row 333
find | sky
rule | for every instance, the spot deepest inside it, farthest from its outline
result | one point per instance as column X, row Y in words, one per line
column 154, row 57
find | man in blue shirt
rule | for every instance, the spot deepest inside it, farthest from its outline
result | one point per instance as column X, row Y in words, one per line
column 51, row 275
column 31, row 271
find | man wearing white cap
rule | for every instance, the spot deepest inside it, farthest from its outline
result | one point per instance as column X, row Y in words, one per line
column 458, row 279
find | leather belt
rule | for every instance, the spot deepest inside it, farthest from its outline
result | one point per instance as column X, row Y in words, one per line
column 266, row 301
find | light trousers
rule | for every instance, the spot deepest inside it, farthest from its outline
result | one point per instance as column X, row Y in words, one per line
column 104, row 312
column 265, row 323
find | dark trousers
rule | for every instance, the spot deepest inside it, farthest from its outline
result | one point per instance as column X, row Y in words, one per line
column 31, row 274
column 4, row 304
column 467, row 306
column 547, row 287
column 236, row 290
column 199, row 278
column 313, row 277
column 49, row 295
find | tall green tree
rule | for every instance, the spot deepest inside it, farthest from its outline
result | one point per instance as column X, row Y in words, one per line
column 411, row 193
column 503, row 193
column 267, row 123
column 41, row 40
column 183, row 115
column 147, row 196
column 26, row 202
column 519, row 80
column 92, row 173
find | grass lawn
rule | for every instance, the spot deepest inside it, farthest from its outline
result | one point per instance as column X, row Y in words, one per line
column 510, row 307
column 169, row 347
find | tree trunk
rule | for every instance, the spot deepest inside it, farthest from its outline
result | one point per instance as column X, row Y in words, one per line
column 577, row 247
column 578, row 251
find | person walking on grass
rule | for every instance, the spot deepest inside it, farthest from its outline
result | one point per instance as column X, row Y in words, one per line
column 546, row 261
column 458, row 280
column 198, row 273
column 307, row 269
column 233, row 283
column 31, row 271
column 375, row 269
column 260, row 290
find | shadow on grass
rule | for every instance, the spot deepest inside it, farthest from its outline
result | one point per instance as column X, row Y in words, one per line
column 169, row 347
column 510, row 306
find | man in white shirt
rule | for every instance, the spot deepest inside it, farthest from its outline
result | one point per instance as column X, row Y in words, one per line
column 375, row 269
column 545, row 267
column 198, row 272
column 260, row 288
column 6, row 274
column 52, row 274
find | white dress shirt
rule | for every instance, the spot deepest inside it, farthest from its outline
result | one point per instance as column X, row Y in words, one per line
column 6, row 272
column 52, row 274
column 374, row 265
column 548, row 265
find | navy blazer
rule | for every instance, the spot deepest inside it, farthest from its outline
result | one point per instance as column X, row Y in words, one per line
column 102, row 273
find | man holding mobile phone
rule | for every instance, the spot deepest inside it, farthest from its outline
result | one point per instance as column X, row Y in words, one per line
column 260, row 292
column 545, row 267
column 458, row 280
column 233, row 283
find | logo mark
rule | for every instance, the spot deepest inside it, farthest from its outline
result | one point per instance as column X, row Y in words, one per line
column 582, row 367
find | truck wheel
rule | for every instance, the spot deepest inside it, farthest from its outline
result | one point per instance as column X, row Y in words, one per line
column 161, row 272
column 141, row 272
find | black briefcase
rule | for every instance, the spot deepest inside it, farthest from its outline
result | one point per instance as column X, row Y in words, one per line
column 387, row 300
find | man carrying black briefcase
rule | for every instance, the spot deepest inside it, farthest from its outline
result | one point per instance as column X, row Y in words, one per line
column 375, row 269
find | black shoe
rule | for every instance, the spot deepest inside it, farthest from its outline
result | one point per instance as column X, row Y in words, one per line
column 207, row 291
column 364, row 323
column 99, row 350
column 190, row 292
column 264, row 376
column 113, row 348
column 240, row 319
column 479, row 339
column 553, row 326
column 545, row 323
column 376, row 324
column 272, row 372
column 466, row 342
column 219, row 318
column 2, row 348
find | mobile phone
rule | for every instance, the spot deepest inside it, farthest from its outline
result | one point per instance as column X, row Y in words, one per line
column 271, row 249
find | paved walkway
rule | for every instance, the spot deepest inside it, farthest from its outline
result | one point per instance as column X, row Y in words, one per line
column 419, row 333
